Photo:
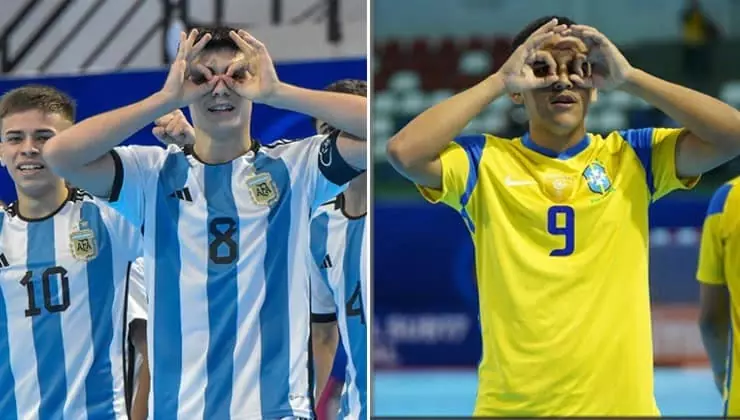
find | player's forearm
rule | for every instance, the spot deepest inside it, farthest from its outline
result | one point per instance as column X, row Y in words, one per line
column 426, row 136
column 90, row 139
column 344, row 111
column 324, row 349
column 140, row 405
column 715, row 338
column 710, row 119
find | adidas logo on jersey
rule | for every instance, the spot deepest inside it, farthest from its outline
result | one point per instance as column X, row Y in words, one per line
column 327, row 262
column 3, row 261
column 183, row 194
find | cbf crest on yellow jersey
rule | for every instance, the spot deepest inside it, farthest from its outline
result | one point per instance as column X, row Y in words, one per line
column 719, row 264
column 562, row 264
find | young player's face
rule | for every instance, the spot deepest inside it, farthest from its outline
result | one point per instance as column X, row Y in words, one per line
column 23, row 137
column 222, row 108
column 562, row 106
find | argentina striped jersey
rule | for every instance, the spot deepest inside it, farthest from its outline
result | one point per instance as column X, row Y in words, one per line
column 226, row 257
column 339, row 285
column 62, row 300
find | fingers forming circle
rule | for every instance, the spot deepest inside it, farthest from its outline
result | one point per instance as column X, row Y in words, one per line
column 252, row 41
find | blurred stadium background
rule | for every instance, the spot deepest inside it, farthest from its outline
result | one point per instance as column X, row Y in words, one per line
column 426, row 337
column 110, row 53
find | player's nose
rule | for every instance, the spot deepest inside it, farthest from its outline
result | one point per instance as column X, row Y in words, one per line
column 29, row 147
column 563, row 82
column 221, row 89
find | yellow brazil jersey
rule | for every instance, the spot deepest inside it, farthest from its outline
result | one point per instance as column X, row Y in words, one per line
column 719, row 263
column 562, row 267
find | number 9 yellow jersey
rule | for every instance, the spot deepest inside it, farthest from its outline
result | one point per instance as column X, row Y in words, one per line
column 562, row 267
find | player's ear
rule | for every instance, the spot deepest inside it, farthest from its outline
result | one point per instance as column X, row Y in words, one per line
column 594, row 95
column 2, row 162
column 517, row 98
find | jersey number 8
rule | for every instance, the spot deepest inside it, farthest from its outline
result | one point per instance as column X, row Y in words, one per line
column 222, row 230
column 567, row 228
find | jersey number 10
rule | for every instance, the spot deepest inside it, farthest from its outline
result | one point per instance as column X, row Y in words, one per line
column 46, row 279
column 567, row 229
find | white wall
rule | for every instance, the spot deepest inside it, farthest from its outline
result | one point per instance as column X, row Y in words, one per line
column 286, row 42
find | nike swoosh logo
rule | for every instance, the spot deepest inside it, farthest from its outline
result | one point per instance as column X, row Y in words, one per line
column 518, row 182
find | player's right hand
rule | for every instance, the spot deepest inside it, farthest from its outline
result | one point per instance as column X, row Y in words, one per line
column 174, row 128
column 186, row 80
column 518, row 72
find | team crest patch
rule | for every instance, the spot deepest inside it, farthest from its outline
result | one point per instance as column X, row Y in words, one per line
column 597, row 178
column 82, row 243
column 263, row 190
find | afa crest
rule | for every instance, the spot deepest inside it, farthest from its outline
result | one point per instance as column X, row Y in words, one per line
column 597, row 179
column 263, row 190
column 82, row 243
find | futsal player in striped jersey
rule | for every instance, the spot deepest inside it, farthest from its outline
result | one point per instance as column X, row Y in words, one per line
column 339, row 284
column 139, row 378
column 226, row 247
column 64, row 262
column 339, row 289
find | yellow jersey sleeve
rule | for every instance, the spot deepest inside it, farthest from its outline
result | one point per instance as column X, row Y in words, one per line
column 656, row 150
column 711, row 254
column 459, row 172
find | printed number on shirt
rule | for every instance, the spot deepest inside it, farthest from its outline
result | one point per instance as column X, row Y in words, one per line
column 223, row 248
column 561, row 222
column 57, row 275
column 354, row 306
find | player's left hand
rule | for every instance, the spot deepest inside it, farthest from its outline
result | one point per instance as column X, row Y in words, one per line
column 256, row 78
column 609, row 68
column 174, row 128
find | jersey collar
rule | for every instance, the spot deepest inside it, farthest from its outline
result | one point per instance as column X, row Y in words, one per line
column 564, row 155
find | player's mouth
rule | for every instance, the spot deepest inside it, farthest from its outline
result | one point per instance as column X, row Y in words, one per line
column 221, row 109
column 30, row 168
column 563, row 101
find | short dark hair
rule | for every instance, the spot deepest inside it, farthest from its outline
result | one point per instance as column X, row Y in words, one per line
column 46, row 99
column 349, row 86
column 528, row 30
column 220, row 39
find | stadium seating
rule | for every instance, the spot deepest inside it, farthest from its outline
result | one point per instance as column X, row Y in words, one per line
column 412, row 75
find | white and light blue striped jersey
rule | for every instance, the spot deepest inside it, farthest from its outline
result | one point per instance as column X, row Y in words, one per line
column 226, row 261
column 62, row 301
column 138, row 305
column 339, row 285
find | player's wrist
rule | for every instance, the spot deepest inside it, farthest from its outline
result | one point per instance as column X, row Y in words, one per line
column 166, row 102
column 279, row 96
column 494, row 85
column 633, row 81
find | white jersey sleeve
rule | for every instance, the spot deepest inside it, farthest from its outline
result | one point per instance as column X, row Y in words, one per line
column 327, row 172
column 323, row 307
column 135, row 165
column 123, row 232
column 322, row 300
column 137, row 299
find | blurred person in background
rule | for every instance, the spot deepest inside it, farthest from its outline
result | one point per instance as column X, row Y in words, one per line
column 559, row 218
column 699, row 35
column 64, row 278
column 718, row 273
column 247, row 292
column 339, row 290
